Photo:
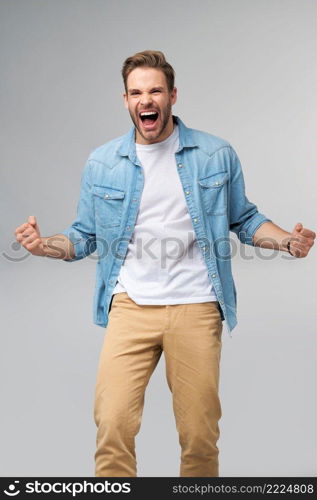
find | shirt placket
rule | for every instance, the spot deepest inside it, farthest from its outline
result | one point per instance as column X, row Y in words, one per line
column 199, row 229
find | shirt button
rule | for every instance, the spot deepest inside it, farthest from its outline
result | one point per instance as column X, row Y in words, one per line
column 128, row 227
column 195, row 220
column 187, row 192
column 217, row 183
column 180, row 165
column 213, row 275
column 106, row 196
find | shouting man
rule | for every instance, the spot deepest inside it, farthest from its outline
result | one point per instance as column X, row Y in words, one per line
column 158, row 204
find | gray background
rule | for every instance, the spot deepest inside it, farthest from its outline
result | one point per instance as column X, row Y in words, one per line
column 246, row 71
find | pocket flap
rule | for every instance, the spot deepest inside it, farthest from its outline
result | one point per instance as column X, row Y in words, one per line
column 108, row 193
column 215, row 180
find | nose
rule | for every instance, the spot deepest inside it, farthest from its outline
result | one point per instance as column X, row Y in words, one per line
column 145, row 99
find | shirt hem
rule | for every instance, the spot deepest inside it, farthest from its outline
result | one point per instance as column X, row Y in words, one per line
column 171, row 301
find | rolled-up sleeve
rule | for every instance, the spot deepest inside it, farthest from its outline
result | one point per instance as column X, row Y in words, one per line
column 82, row 231
column 244, row 217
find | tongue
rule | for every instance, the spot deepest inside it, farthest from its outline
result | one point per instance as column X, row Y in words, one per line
column 149, row 121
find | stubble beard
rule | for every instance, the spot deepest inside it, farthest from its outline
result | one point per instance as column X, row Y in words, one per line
column 164, row 115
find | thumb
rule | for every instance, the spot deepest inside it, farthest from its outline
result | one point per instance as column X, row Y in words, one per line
column 32, row 220
column 298, row 227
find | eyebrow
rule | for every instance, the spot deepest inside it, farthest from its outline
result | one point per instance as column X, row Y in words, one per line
column 158, row 87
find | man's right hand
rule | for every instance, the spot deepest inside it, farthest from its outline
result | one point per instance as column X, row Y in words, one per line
column 29, row 236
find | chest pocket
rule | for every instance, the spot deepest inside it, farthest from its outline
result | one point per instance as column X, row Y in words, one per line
column 108, row 205
column 214, row 193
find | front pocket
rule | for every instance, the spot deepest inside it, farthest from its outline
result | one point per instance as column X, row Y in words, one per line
column 213, row 191
column 108, row 205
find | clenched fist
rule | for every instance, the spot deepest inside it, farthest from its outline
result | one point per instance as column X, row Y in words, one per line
column 29, row 236
column 301, row 241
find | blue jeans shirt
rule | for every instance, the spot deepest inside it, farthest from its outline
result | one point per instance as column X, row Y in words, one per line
column 111, row 188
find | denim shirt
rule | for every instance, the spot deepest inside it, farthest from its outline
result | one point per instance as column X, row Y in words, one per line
column 111, row 188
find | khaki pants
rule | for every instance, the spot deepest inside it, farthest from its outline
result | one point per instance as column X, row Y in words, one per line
column 136, row 335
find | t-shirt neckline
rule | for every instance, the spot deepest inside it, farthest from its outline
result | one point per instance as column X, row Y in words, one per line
column 158, row 145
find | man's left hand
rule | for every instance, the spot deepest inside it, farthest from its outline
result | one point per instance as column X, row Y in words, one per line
column 301, row 240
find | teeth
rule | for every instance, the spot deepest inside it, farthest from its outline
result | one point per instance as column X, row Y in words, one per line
column 148, row 113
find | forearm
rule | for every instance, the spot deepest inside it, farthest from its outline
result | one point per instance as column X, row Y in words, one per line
column 269, row 235
column 58, row 247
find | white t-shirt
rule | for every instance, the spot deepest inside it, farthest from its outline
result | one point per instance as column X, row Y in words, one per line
column 163, row 264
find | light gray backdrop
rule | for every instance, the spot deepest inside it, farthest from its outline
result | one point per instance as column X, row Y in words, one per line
column 246, row 71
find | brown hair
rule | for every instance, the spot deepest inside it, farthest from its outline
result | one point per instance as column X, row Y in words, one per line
column 150, row 59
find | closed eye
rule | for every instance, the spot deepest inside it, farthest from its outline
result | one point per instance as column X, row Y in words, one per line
column 137, row 92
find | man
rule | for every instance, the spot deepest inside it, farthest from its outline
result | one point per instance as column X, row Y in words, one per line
column 169, row 188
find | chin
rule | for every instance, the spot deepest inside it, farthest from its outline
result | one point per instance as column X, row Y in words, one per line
column 154, row 134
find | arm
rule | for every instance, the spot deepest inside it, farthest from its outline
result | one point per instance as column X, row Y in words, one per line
column 244, row 217
column 76, row 242
column 254, row 228
column 270, row 235
column 57, row 247
column 82, row 233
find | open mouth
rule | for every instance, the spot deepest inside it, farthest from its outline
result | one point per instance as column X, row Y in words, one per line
column 148, row 118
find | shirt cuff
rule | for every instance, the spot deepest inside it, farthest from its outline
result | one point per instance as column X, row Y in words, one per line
column 78, row 241
column 247, row 235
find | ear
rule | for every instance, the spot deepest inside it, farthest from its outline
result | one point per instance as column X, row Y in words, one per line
column 174, row 95
column 125, row 99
